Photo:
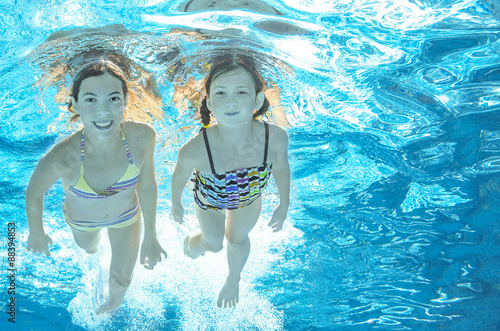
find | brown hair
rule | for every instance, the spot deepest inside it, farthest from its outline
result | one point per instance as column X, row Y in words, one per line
column 228, row 63
column 94, row 69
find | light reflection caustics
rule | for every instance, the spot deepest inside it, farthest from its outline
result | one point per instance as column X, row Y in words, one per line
column 394, row 143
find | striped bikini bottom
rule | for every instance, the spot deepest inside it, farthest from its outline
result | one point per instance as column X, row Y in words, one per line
column 127, row 218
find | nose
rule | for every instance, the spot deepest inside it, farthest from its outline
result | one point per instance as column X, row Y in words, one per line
column 231, row 103
column 102, row 109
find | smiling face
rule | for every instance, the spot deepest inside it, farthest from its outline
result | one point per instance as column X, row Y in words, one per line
column 101, row 104
column 232, row 98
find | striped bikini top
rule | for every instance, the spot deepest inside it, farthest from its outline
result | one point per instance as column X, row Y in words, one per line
column 129, row 179
column 233, row 189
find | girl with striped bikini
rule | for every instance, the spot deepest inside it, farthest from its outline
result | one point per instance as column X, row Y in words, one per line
column 107, row 171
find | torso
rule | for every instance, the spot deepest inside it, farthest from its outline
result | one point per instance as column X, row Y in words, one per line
column 233, row 189
column 101, row 170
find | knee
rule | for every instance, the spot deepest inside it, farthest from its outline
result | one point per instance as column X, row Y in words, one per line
column 88, row 241
column 237, row 242
column 90, row 249
column 214, row 246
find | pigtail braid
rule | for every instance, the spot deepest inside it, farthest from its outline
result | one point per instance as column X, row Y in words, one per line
column 205, row 113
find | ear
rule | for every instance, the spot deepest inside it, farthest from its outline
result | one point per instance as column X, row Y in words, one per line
column 259, row 100
column 75, row 105
column 209, row 103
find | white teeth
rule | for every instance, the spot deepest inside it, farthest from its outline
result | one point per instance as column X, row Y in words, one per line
column 102, row 124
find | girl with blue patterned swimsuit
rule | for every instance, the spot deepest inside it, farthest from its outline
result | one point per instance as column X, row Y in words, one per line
column 107, row 171
column 232, row 162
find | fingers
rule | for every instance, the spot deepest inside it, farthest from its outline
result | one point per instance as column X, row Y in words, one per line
column 275, row 225
column 40, row 245
column 179, row 219
column 178, row 215
column 228, row 303
column 43, row 251
column 150, row 262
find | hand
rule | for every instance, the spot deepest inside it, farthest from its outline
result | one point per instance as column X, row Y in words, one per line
column 278, row 218
column 151, row 252
column 39, row 244
column 178, row 212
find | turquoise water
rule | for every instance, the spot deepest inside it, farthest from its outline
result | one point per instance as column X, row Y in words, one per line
column 394, row 124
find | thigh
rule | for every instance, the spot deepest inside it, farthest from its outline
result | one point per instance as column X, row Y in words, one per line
column 241, row 221
column 212, row 223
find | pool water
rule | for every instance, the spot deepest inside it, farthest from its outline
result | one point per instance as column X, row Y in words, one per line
column 393, row 113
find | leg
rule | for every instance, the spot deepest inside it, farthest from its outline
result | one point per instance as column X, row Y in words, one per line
column 89, row 241
column 239, row 224
column 212, row 225
column 124, row 251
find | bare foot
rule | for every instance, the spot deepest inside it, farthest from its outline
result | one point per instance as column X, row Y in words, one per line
column 115, row 298
column 187, row 251
column 228, row 296
column 108, row 306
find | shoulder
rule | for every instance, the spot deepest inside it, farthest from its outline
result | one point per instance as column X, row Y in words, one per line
column 277, row 130
column 191, row 150
column 67, row 148
column 139, row 132
column 278, row 142
column 194, row 144
column 63, row 156
column 277, row 135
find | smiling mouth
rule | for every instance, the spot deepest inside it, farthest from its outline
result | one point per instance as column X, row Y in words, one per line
column 232, row 113
column 103, row 125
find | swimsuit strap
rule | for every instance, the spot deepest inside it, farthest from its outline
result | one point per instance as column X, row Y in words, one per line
column 266, row 147
column 82, row 147
column 208, row 150
column 126, row 148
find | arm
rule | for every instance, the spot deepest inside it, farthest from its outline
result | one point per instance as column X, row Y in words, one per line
column 44, row 176
column 180, row 177
column 281, row 174
column 147, row 192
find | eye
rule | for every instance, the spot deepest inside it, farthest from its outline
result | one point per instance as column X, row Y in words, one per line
column 219, row 93
column 89, row 99
column 115, row 98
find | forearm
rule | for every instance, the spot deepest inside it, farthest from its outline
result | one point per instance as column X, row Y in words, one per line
column 148, row 194
column 178, row 183
column 281, row 176
column 34, row 215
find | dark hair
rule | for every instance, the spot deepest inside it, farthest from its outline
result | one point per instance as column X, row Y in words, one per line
column 226, row 64
column 94, row 69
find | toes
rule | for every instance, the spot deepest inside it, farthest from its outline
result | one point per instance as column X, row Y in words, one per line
column 186, row 247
